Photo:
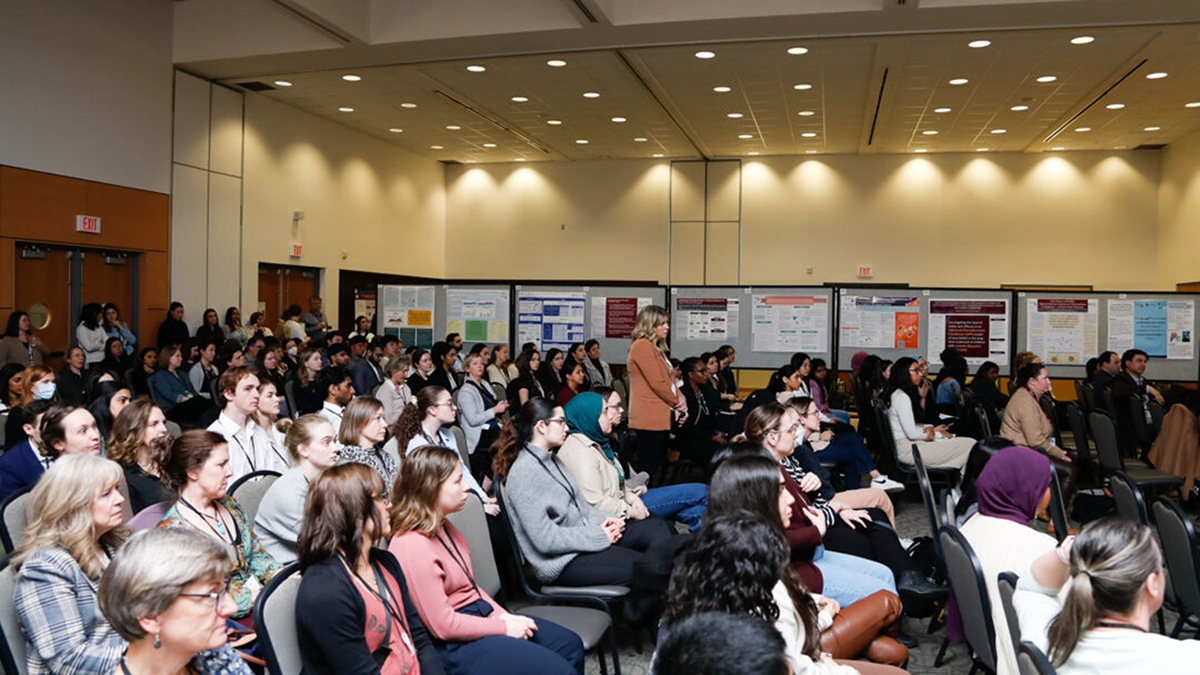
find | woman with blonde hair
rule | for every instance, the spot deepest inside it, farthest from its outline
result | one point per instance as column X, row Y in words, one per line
column 76, row 529
column 139, row 443
column 653, row 397
column 474, row 634
column 361, row 435
column 312, row 449
column 267, row 415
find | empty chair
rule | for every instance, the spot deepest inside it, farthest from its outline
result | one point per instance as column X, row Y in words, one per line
column 1177, row 535
column 1006, row 583
column 1083, row 447
column 970, row 592
column 14, row 519
column 1104, row 433
column 1058, row 509
column 1033, row 662
column 275, row 622
column 12, row 648
column 1128, row 498
column 248, row 490
column 149, row 517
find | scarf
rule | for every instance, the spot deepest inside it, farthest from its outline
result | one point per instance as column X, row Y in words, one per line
column 1013, row 483
column 583, row 417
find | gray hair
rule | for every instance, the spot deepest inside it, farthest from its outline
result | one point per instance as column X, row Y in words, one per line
column 150, row 571
column 397, row 362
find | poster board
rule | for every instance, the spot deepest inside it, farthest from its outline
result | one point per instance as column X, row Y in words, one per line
column 408, row 312
column 478, row 312
column 898, row 322
column 608, row 314
column 1161, row 324
column 765, row 324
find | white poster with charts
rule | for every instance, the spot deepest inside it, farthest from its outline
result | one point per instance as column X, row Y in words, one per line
column 1063, row 331
column 783, row 323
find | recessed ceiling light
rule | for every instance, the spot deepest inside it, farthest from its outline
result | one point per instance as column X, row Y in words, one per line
column 581, row 141
column 1019, row 108
column 745, row 135
column 982, row 149
column 1047, row 78
column 921, row 150
column 1058, row 147
column 809, row 134
column 519, row 99
column 476, row 69
column 959, row 80
column 1156, row 76
column 734, row 116
column 722, row 89
column 751, row 153
column 705, row 55
column 554, row 122
column 345, row 109
column 658, row 154
column 1151, row 128
column 941, row 110
column 1193, row 104
column 1082, row 40
column 618, row 120
column 469, row 161
column 797, row 51
column 408, row 105
column 979, row 44
column 436, row 147
column 806, row 113
column 1083, row 129
column 396, row 130
column 929, row 132
column 1115, row 106
column 489, row 145
column 556, row 63
column 1120, row 147
column 810, row 152
column 803, row 86
column 351, row 78
column 519, row 159
column 282, row 83
column 591, row 94
column 999, row 131
column 640, row 139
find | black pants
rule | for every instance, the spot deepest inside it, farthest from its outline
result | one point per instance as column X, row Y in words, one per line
column 481, row 458
column 873, row 542
column 651, row 450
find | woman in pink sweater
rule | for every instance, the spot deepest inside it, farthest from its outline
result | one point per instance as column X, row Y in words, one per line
column 471, row 631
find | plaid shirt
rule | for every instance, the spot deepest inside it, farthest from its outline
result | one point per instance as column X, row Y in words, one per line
column 64, row 629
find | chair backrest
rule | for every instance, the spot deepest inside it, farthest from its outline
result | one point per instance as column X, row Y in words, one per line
column 1137, row 416
column 1088, row 400
column 173, row 429
column 460, row 439
column 1058, row 509
column 1079, row 432
column 970, row 591
column 499, row 391
column 927, row 496
column 1104, row 433
column 1032, row 661
column 275, row 622
column 15, row 518
column 1157, row 413
column 1177, row 535
column 1006, row 584
column 946, row 506
column 518, row 555
column 12, row 648
column 472, row 522
column 149, row 517
column 289, row 395
column 884, row 428
column 248, row 491
column 1128, row 498
column 1079, row 384
column 982, row 422
column 1109, row 403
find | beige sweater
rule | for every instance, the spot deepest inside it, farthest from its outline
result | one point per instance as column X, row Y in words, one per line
column 595, row 475
column 1026, row 424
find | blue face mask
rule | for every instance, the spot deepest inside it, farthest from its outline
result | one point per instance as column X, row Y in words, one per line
column 45, row 391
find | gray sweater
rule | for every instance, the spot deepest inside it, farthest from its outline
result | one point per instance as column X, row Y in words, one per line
column 552, row 520
column 280, row 514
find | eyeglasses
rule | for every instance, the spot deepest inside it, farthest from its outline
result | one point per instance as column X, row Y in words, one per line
column 557, row 420
column 450, row 404
column 614, row 406
column 382, row 498
column 215, row 597
column 793, row 430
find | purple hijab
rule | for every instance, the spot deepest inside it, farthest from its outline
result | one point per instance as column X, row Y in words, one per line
column 856, row 361
column 1012, row 484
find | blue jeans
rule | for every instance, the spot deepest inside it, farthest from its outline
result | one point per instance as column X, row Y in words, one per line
column 840, row 415
column 684, row 502
column 849, row 578
column 553, row 650
column 848, row 449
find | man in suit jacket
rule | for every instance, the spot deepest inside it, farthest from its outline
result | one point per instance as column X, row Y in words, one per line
column 1128, row 382
column 23, row 465
column 1107, row 369
column 363, row 368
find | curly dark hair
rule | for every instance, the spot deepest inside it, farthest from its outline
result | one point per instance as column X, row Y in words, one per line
column 731, row 566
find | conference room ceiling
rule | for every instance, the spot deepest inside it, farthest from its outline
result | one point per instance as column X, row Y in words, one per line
column 844, row 95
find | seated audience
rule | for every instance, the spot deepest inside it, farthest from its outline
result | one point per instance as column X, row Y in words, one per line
column 10, row 384
column 445, row 358
column 588, row 454
column 726, row 355
column 173, row 330
column 139, row 375
column 37, row 384
column 292, row 326
column 939, row 448
column 307, row 388
column 699, row 435
column 337, row 390
column 75, row 530
column 364, row 366
column 422, row 369
column 526, row 384
column 109, row 398
column 233, row 326
column 164, row 593
column 715, row 643
column 117, row 329
column 951, row 380
column 574, row 381
column 819, row 383
column 501, row 371
column 204, row 372
column 349, row 587
column 394, row 393
column 426, row 421
column 550, row 375
column 362, row 328
column 256, row 326
column 313, row 449
column 19, row 345
column 267, row 416
column 197, row 471
column 1131, row 380
column 139, row 443
column 844, row 447
column 115, row 361
column 472, row 632
column 71, row 380
column 172, row 390
column 598, row 371
column 22, row 465
column 983, row 385
column 361, row 438
column 1108, row 366
column 1025, row 422
column 479, row 415
column 209, row 331
column 250, row 448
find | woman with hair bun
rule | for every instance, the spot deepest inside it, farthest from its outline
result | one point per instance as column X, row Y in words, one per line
column 313, row 449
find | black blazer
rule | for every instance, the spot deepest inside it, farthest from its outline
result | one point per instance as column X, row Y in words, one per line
column 441, row 378
column 330, row 616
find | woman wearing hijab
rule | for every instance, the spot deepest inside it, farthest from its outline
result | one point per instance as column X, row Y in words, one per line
column 589, row 457
column 1011, row 490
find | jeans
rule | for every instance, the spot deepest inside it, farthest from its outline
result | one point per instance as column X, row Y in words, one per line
column 848, row 449
column 684, row 502
column 849, row 578
column 553, row 650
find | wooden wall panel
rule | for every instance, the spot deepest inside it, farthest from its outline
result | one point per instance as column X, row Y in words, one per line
column 8, row 275
column 133, row 219
column 153, row 294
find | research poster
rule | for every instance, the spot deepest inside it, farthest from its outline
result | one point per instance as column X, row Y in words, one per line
column 880, row 322
column 1063, row 330
column 708, row 319
column 978, row 329
column 478, row 315
column 551, row 320
column 615, row 317
column 784, row 323
column 1161, row 328
column 408, row 313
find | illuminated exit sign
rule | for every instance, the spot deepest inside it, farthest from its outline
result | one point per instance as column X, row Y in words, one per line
column 90, row 224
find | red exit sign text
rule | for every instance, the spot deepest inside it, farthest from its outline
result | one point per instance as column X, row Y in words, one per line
column 90, row 224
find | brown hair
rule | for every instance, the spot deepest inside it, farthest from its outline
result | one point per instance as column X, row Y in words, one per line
column 301, row 369
column 356, row 417
column 518, row 431
column 302, row 432
column 408, row 424
column 128, row 433
column 51, row 429
column 416, row 490
column 188, row 452
column 229, row 381
column 763, row 420
column 164, row 356
column 338, row 507
column 30, row 377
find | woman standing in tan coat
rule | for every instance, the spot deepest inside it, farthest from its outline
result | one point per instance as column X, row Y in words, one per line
column 653, row 397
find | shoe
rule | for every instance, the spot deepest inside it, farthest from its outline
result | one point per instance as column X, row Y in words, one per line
column 914, row 585
column 905, row 543
column 907, row 640
column 887, row 484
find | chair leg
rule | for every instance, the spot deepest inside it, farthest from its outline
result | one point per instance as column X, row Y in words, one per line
column 616, row 654
column 1178, row 625
column 937, row 663
column 600, row 655
column 974, row 669
column 1162, row 630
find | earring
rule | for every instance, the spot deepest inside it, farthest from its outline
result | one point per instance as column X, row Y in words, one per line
column 157, row 642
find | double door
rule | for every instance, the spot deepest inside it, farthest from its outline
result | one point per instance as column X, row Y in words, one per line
column 280, row 286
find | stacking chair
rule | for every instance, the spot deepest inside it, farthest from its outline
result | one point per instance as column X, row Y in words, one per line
column 289, row 395
column 1032, row 661
column 1104, row 433
column 1177, row 535
column 13, row 519
column 1128, row 498
column 1079, row 385
column 12, row 647
column 460, row 439
column 249, row 490
column 1083, row 447
column 591, row 625
column 970, row 592
column 149, row 517
column 906, row 473
column 1006, row 584
column 1137, row 416
column 275, row 622
column 1088, row 397
column 1058, row 509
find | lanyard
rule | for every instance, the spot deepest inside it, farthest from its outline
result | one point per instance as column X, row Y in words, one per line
column 248, row 455
column 458, row 558
column 384, row 597
column 225, row 537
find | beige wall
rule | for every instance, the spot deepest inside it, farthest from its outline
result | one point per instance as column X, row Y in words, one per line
column 945, row 220
column 1179, row 213
column 367, row 205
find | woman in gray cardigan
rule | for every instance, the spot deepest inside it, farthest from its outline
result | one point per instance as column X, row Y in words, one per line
column 313, row 448
column 565, row 540
column 479, row 414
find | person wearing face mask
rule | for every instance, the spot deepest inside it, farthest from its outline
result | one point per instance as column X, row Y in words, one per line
column 361, row 436
column 313, row 448
column 37, row 384
column 139, row 441
column 22, row 465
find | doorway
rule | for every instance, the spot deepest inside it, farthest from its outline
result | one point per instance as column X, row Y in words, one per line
column 280, row 286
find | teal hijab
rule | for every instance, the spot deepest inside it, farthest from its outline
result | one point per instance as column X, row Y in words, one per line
column 583, row 417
